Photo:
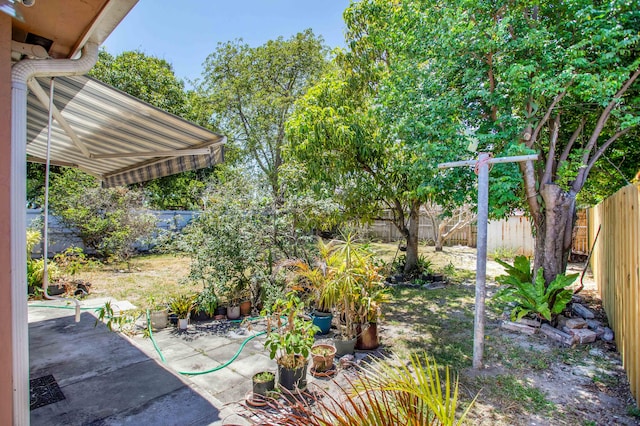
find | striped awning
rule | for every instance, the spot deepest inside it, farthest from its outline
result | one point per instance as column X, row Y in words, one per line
column 112, row 135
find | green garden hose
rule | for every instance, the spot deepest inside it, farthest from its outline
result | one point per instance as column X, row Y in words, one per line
column 159, row 352
column 199, row 373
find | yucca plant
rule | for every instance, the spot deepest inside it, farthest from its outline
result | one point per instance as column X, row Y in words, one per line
column 384, row 392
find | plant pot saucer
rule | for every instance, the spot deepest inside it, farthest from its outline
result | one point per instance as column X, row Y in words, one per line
column 327, row 373
column 254, row 401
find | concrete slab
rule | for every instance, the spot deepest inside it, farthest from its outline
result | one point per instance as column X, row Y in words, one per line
column 106, row 379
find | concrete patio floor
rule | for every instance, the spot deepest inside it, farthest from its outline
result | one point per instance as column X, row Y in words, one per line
column 110, row 379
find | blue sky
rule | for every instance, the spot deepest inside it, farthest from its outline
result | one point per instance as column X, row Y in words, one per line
column 185, row 32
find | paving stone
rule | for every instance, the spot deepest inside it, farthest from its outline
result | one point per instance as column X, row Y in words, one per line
column 583, row 335
column 557, row 335
column 576, row 323
column 515, row 326
column 582, row 311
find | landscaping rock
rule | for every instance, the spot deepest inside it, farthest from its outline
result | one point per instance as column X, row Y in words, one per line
column 583, row 335
column 576, row 323
column 530, row 322
column 521, row 328
column 599, row 333
column 557, row 335
column 582, row 311
column 562, row 321
column 576, row 299
column 594, row 324
column 608, row 335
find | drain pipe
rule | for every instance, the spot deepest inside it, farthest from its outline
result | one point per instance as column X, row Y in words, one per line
column 21, row 73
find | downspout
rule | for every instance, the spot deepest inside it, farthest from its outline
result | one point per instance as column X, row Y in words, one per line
column 21, row 73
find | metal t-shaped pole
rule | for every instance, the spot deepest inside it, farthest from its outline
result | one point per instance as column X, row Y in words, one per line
column 482, row 169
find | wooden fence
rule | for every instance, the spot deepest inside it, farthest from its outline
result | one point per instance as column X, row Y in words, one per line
column 615, row 263
column 386, row 231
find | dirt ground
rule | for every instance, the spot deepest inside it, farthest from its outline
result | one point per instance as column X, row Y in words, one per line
column 530, row 380
column 527, row 380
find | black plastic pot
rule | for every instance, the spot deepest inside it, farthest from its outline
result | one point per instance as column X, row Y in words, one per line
column 261, row 388
column 292, row 379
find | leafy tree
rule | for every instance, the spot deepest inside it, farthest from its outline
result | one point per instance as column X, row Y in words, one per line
column 553, row 78
column 353, row 149
column 109, row 221
column 252, row 92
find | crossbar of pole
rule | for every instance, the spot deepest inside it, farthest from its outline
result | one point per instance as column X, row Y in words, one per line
column 482, row 164
column 513, row 159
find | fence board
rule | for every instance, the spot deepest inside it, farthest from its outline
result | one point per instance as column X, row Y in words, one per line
column 616, row 269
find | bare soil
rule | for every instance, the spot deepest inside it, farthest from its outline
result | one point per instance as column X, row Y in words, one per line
column 527, row 380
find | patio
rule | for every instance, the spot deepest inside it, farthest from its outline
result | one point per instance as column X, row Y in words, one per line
column 108, row 378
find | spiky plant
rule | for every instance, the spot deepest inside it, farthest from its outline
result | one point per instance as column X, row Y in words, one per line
column 384, row 392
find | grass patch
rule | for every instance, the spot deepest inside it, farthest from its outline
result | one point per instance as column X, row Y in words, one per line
column 511, row 393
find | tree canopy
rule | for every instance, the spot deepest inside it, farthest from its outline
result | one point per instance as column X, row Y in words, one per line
column 252, row 91
column 553, row 78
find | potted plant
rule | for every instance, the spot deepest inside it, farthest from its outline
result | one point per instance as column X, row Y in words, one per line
column 207, row 302
column 357, row 287
column 289, row 340
column 158, row 312
column 322, row 356
column 263, row 382
column 181, row 305
column 315, row 280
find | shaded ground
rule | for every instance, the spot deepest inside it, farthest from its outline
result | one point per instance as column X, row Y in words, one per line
column 528, row 380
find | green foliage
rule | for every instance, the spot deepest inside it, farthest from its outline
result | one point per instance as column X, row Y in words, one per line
column 108, row 220
column 73, row 260
column 115, row 319
column 227, row 243
column 207, row 301
column 544, row 301
column 182, row 305
column 35, row 267
column 384, row 392
column 263, row 377
column 252, row 91
column 289, row 336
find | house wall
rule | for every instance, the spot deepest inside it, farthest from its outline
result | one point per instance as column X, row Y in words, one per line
column 6, row 381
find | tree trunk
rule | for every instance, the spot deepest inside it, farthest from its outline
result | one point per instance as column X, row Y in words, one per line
column 554, row 231
column 411, row 235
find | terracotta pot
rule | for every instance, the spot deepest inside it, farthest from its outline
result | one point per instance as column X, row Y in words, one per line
column 367, row 337
column 322, row 361
column 245, row 308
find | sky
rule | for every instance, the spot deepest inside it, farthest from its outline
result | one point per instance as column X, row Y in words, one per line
column 185, row 32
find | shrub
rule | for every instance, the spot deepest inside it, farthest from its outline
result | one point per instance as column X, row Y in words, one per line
column 532, row 296
column 108, row 220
